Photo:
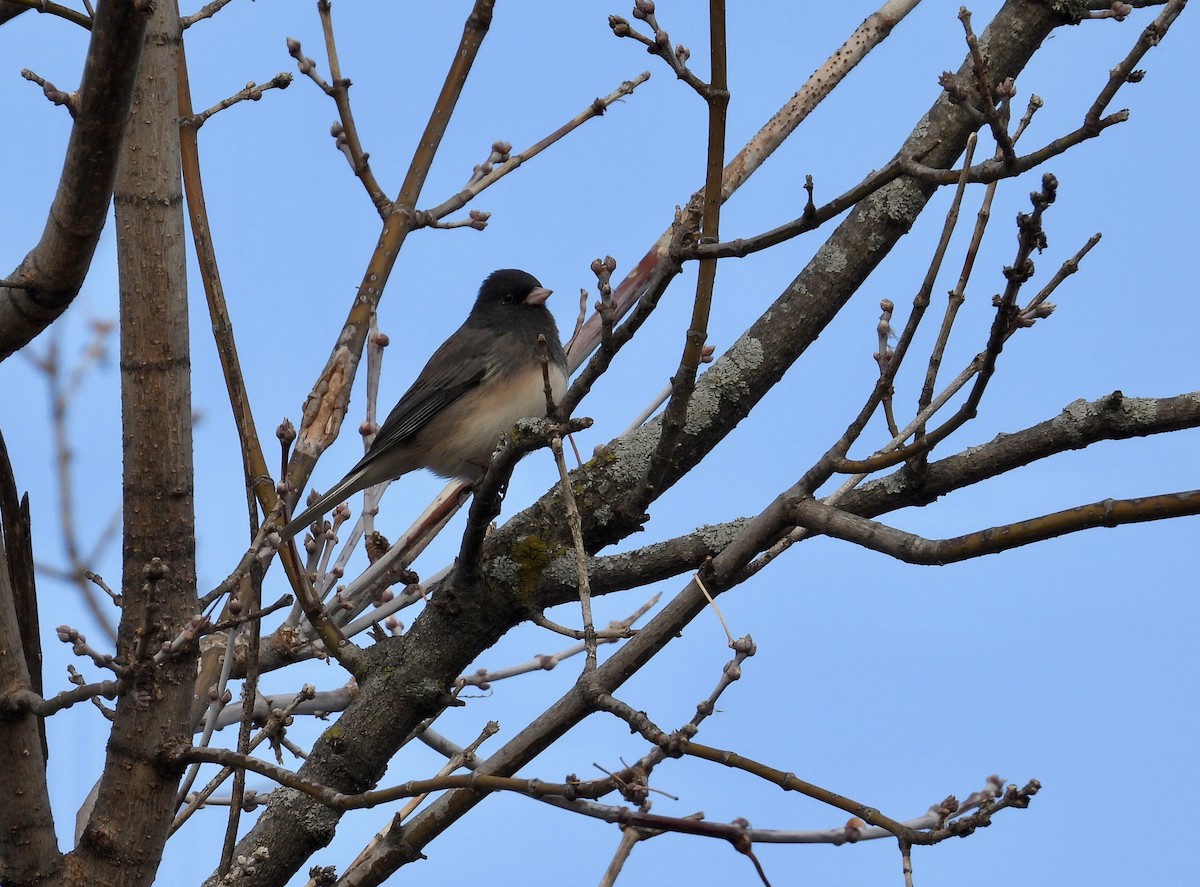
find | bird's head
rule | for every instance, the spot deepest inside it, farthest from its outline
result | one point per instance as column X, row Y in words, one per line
column 510, row 287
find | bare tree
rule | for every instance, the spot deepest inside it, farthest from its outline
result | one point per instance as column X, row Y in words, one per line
column 188, row 664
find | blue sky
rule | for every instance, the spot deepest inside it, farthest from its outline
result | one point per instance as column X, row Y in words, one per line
column 1072, row 661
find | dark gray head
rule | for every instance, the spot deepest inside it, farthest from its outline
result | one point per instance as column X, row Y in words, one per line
column 513, row 303
column 510, row 288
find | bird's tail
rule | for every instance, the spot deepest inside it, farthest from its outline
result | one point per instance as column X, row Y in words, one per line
column 346, row 487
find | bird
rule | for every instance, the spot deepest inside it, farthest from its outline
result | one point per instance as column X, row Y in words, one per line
column 475, row 387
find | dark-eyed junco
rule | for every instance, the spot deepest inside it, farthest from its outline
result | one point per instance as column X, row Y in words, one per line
column 477, row 385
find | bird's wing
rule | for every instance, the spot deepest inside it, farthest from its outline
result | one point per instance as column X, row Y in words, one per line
column 458, row 366
column 461, row 366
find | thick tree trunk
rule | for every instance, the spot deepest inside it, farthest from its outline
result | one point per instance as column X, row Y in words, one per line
column 123, row 841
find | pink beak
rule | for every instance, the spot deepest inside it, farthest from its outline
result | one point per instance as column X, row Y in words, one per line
column 538, row 296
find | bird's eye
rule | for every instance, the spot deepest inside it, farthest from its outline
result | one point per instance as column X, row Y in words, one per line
column 509, row 298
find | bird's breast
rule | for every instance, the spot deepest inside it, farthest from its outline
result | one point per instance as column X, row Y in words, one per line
column 464, row 436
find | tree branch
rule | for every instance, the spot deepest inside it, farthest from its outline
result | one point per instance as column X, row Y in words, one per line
column 49, row 277
column 7, row 11
column 1081, row 424
column 26, row 820
column 913, row 549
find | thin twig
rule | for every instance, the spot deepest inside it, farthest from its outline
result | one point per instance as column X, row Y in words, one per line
column 68, row 100
column 615, row 631
column 1005, row 322
column 683, row 383
column 208, row 10
column 1124, row 71
column 514, row 161
column 75, row 17
column 890, row 365
column 253, row 587
column 655, row 265
column 251, row 92
column 196, row 801
column 991, row 113
column 346, row 132
column 576, row 526
column 63, row 386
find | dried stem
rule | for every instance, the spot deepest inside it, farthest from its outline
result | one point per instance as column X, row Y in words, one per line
column 253, row 588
